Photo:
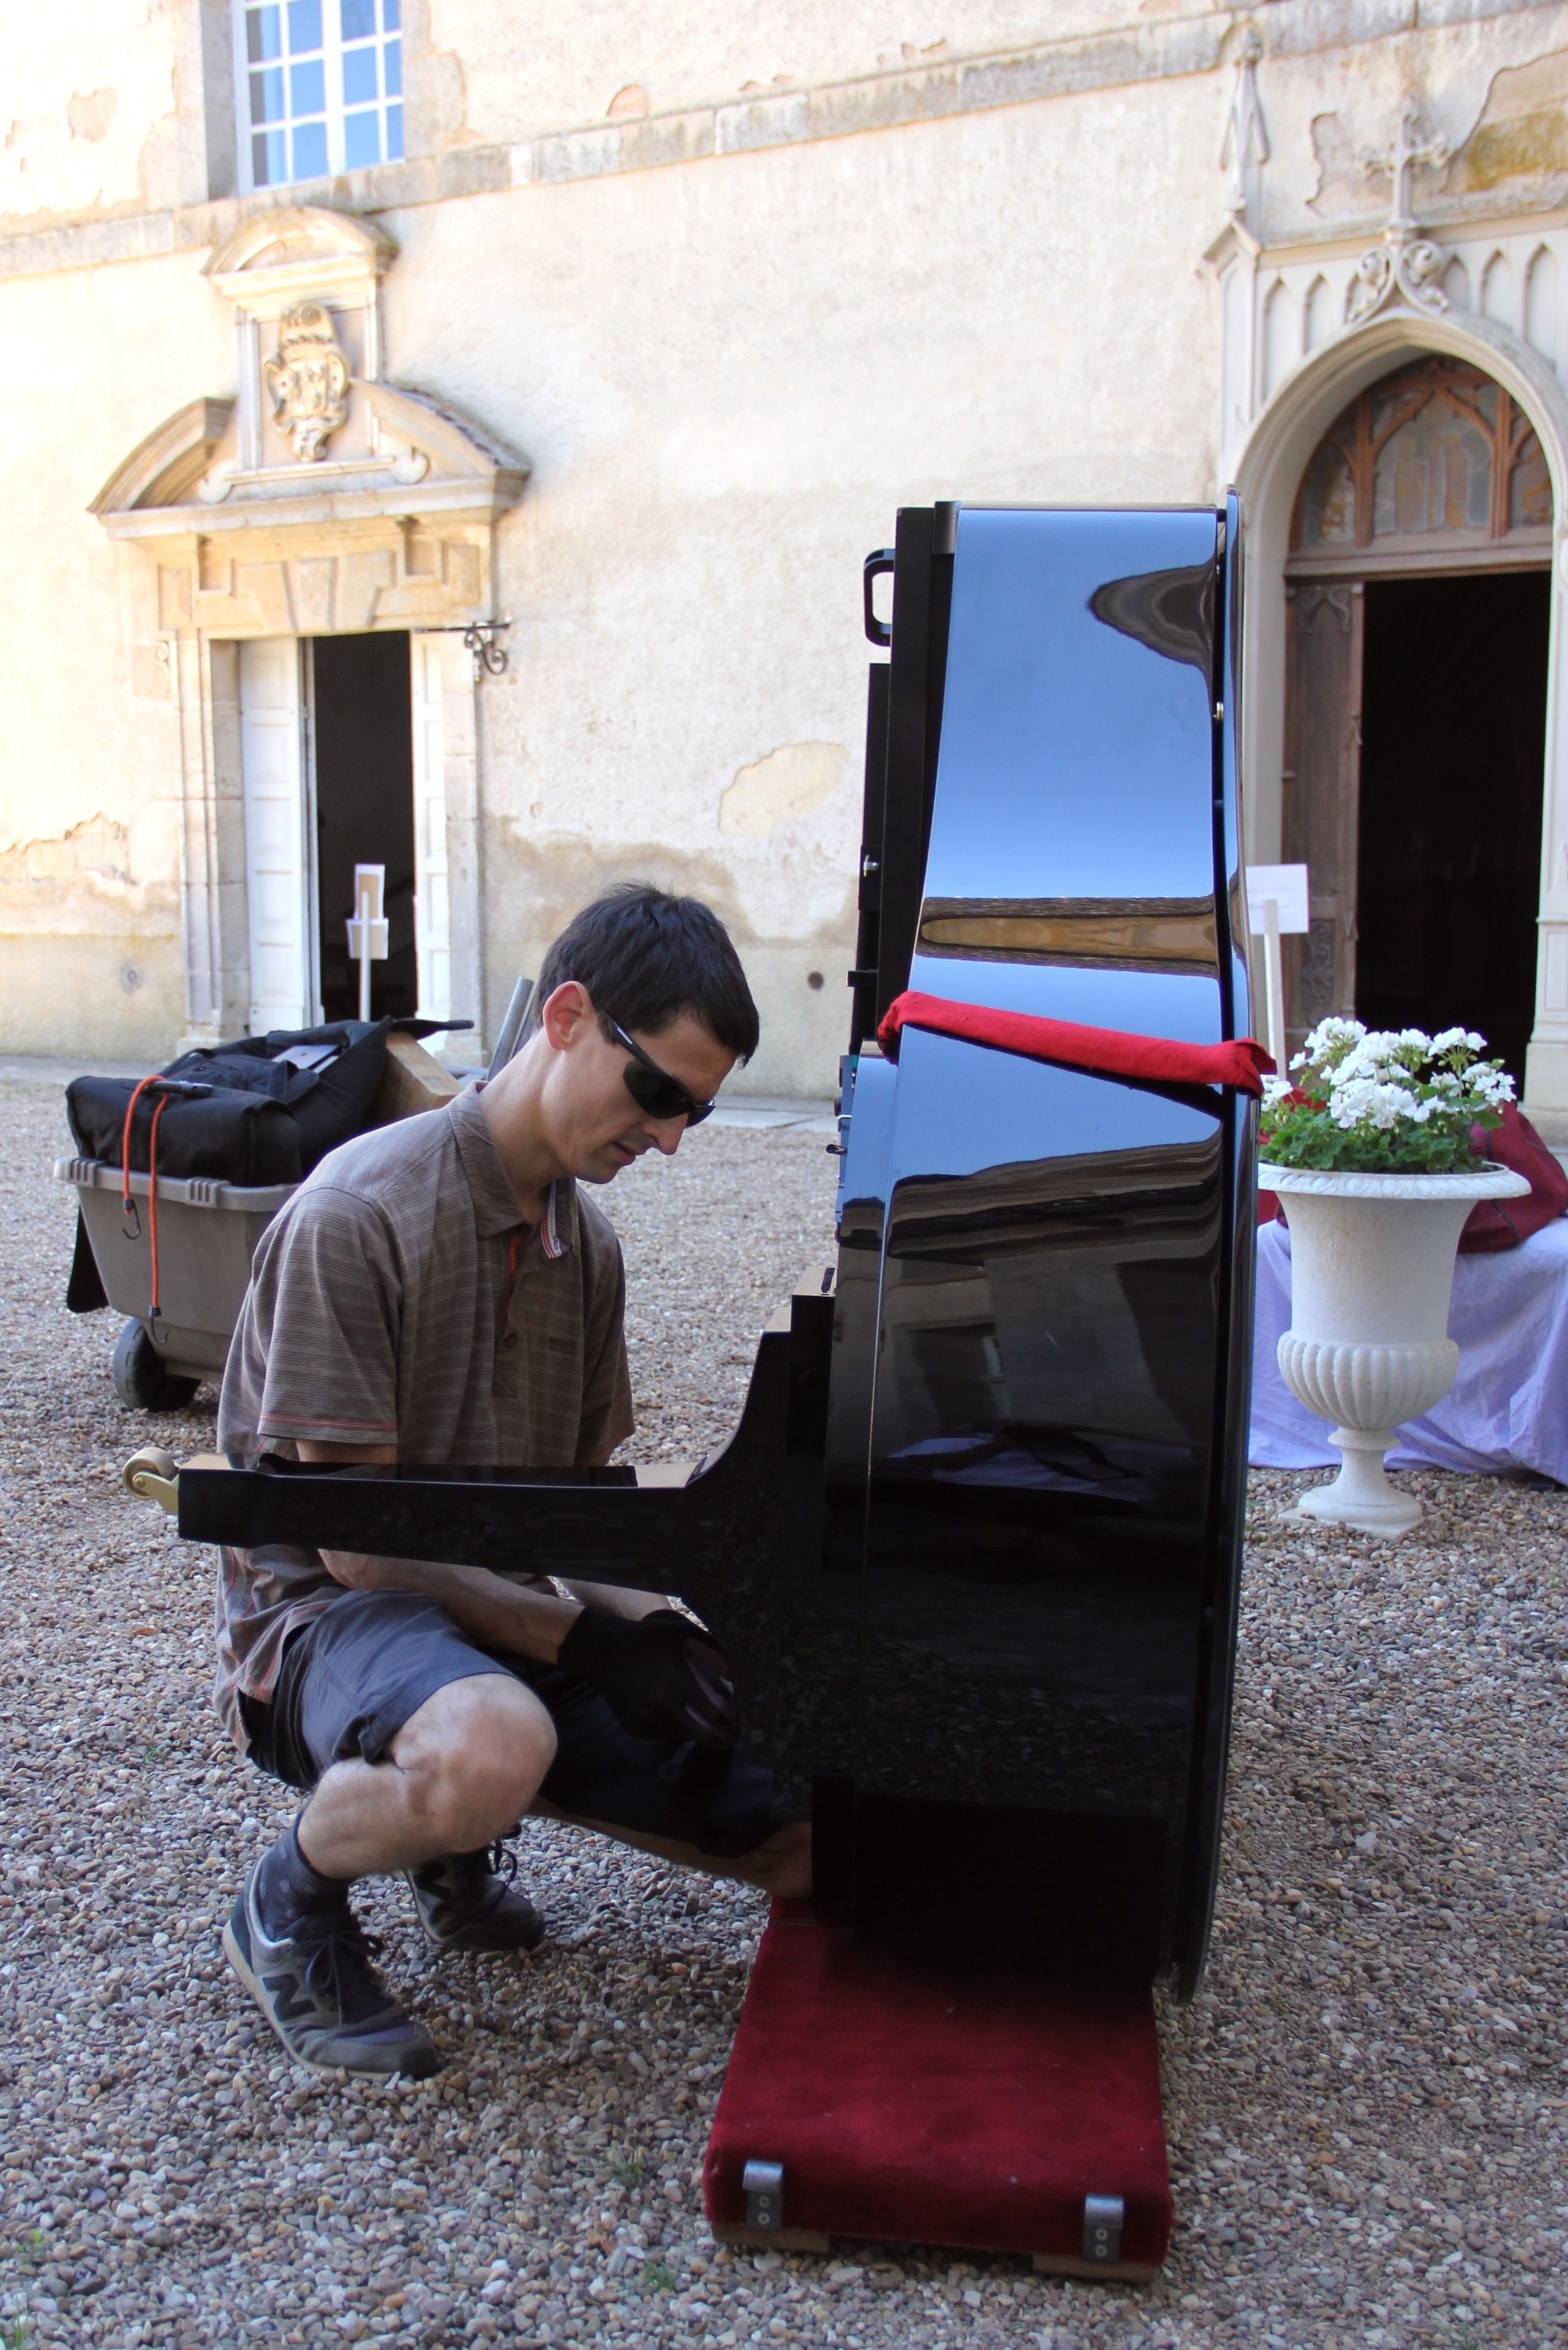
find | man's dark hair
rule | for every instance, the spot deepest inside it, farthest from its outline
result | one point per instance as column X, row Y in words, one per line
column 646, row 957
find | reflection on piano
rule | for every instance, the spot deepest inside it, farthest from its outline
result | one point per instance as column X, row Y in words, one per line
column 973, row 1547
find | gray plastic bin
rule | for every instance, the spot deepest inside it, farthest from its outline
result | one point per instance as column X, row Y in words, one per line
column 207, row 1235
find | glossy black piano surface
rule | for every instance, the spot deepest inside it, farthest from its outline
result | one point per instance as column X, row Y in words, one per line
column 974, row 1547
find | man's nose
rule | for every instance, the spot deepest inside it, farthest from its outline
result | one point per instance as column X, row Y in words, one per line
column 665, row 1133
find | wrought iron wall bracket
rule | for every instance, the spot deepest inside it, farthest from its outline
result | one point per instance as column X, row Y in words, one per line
column 480, row 636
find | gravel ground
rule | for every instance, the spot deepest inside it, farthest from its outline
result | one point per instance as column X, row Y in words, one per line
column 1365, row 2102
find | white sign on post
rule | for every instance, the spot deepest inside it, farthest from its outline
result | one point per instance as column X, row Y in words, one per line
column 1278, row 900
column 368, row 926
column 1287, row 886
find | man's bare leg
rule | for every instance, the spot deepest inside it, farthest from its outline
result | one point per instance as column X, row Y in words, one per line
column 461, row 1770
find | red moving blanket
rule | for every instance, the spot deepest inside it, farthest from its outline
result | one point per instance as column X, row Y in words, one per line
column 933, row 2109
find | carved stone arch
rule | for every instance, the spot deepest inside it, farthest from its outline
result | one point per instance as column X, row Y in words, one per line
column 1268, row 471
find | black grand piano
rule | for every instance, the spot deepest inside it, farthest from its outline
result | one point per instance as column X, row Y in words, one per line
column 972, row 1549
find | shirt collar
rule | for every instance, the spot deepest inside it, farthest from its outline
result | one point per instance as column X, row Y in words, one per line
column 559, row 1232
column 495, row 1208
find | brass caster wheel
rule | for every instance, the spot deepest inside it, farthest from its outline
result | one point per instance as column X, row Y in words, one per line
column 152, row 1475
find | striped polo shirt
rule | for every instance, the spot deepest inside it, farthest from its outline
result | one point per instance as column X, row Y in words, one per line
column 399, row 1297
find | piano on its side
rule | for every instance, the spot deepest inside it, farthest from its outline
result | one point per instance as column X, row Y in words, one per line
column 973, row 1547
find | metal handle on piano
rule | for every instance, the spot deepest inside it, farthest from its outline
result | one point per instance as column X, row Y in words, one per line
column 152, row 1475
column 879, row 560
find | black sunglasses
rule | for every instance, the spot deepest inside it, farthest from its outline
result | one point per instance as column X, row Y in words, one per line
column 653, row 1089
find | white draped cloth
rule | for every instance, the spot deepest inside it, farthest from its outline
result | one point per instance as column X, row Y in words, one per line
column 1508, row 1408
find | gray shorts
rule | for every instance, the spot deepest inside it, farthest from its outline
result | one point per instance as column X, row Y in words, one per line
column 354, row 1674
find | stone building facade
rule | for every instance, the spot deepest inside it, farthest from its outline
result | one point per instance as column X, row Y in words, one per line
column 453, row 441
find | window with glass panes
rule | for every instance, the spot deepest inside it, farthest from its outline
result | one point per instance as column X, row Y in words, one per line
column 321, row 87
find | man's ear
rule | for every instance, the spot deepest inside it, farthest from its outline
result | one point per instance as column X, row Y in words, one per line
column 565, row 1010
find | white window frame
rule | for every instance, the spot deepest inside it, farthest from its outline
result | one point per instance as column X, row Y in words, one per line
column 335, row 111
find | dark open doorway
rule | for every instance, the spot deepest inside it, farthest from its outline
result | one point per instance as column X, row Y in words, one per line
column 364, row 812
column 1453, row 748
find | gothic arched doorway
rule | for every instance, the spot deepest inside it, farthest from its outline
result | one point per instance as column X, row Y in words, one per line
column 1417, row 587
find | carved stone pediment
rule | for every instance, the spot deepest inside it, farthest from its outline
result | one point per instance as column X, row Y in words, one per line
column 318, row 497
column 395, row 535
column 394, row 454
column 163, row 470
column 278, row 258
column 313, row 435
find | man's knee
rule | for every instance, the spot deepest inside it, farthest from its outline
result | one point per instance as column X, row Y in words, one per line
column 474, row 1756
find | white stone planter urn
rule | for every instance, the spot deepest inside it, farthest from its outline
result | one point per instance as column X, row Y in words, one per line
column 1372, row 1266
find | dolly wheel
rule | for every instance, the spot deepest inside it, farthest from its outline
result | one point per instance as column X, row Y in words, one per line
column 153, row 1476
column 140, row 1378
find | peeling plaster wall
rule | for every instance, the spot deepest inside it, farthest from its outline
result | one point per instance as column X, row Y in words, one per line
column 85, row 944
column 1326, row 107
column 86, row 107
column 719, row 428
column 726, row 376
column 535, row 66
column 90, row 953
column 1522, row 129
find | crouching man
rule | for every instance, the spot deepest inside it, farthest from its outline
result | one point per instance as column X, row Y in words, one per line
column 440, row 1292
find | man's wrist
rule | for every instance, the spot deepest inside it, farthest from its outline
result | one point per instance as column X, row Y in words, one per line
column 560, row 1614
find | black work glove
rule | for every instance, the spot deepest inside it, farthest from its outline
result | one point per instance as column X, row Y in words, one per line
column 659, row 1674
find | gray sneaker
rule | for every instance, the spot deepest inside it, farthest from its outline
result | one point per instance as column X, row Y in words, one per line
column 317, row 1988
column 465, row 1905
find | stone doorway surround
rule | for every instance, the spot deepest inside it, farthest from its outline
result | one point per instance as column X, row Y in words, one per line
column 1304, row 327
column 1430, row 475
column 318, row 500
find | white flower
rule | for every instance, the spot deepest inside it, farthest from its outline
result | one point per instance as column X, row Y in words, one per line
column 1325, row 1036
column 1366, row 1066
column 1366, row 1102
column 1389, row 1058
column 1382, row 1079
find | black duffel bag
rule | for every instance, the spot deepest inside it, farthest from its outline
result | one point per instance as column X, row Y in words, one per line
column 274, row 1105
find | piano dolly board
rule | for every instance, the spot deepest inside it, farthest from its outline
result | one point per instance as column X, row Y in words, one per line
column 965, row 2112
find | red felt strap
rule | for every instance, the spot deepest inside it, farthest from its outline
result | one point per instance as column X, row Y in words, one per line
column 1241, row 1063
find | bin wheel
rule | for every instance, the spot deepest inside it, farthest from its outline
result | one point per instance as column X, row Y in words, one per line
column 140, row 1378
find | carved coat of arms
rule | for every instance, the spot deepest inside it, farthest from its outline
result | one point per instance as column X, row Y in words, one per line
column 308, row 380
